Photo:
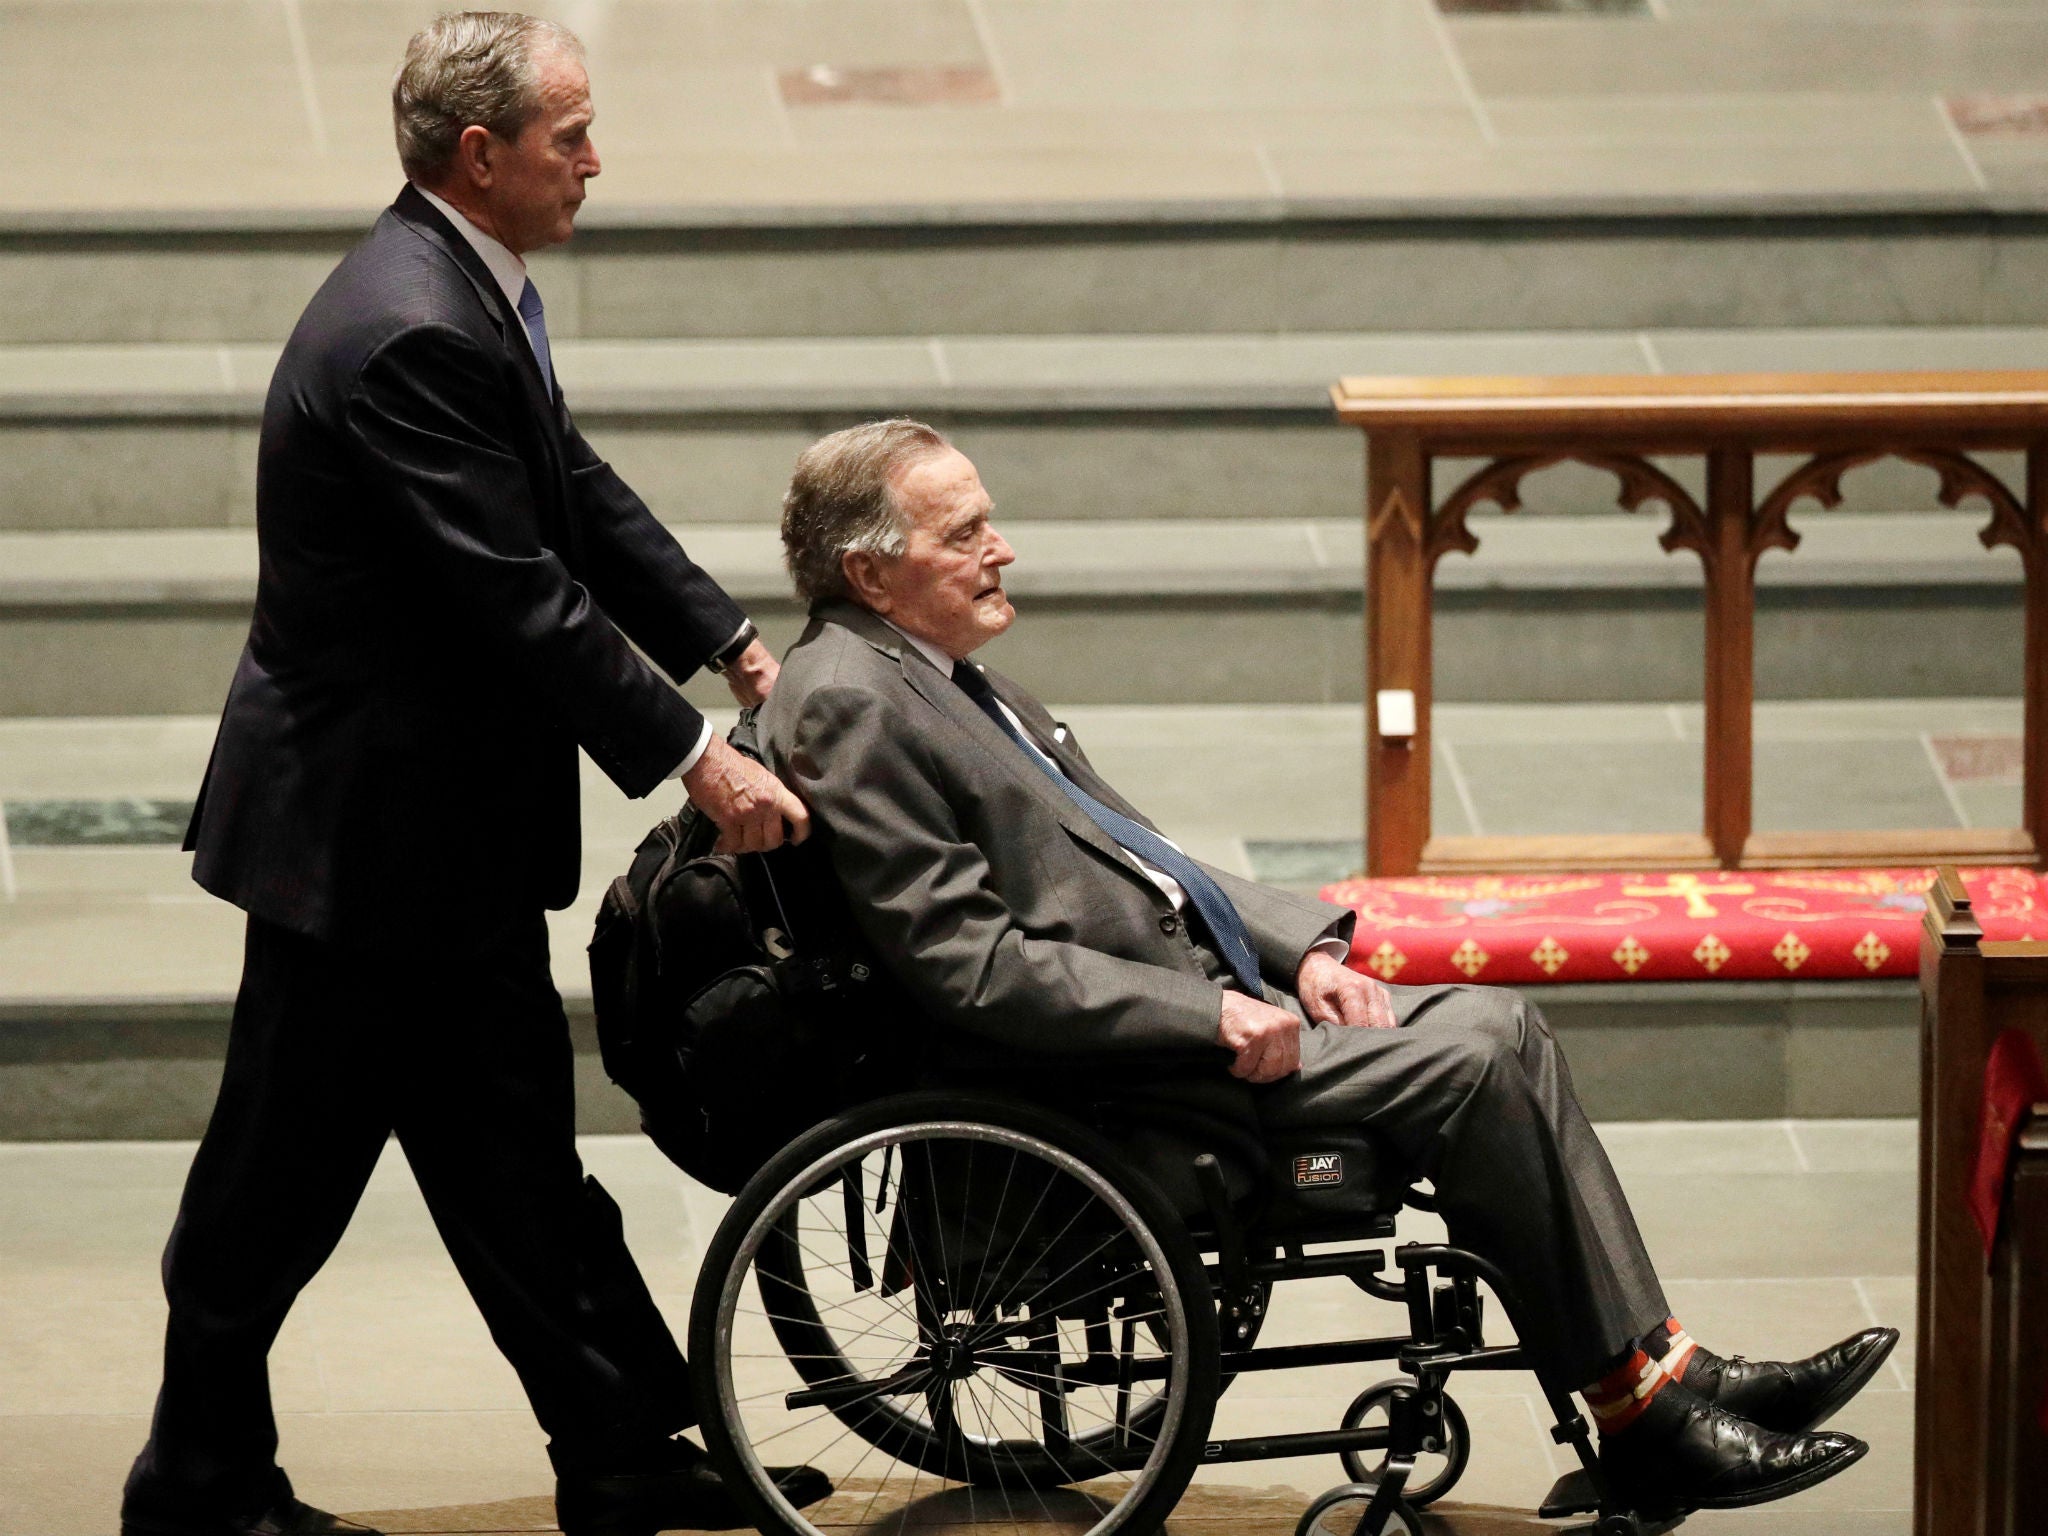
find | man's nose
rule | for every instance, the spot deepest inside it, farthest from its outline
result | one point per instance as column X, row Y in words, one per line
column 999, row 551
column 592, row 166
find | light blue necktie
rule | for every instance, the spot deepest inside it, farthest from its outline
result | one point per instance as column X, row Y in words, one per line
column 1225, row 925
column 537, row 332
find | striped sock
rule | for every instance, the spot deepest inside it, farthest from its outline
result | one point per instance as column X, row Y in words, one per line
column 1674, row 1346
column 1620, row 1397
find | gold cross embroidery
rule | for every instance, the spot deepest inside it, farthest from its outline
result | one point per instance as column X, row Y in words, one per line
column 1694, row 891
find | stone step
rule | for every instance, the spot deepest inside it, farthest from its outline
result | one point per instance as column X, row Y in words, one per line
column 117, row 974
column 192, row 567
column 998, row 374
column 148, row 1070
column 1244, row 610
column 1064, row 428
column 1164, row 268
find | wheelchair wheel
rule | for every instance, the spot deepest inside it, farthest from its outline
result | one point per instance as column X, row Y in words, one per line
column 962, row 1305
column 1338, row 1512
column 1436, row 1471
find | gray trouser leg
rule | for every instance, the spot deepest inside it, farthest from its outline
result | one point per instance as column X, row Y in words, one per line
column 1473, row 1093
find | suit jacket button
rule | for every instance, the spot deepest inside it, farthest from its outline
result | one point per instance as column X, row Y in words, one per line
column 1169, row 924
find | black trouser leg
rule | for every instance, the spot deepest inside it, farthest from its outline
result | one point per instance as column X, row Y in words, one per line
column 461, row 1046
column 488, row 1123
column 296, row 1130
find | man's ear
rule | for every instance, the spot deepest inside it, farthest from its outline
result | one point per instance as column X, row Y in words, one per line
column 472, row 165
column 862, row 569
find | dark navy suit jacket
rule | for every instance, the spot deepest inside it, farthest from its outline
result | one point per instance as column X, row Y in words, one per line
column 449, row 576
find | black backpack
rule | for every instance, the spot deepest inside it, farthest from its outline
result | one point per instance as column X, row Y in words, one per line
column 735, row 1000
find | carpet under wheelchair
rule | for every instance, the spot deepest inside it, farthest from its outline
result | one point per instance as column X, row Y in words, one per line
column 1725, row 925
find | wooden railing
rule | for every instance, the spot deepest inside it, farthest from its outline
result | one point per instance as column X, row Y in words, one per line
column 1971, row 992
column 1836, row 422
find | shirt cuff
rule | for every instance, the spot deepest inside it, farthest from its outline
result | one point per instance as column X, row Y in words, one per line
column 696, row 752
column 746, row 632
column 1332, row 943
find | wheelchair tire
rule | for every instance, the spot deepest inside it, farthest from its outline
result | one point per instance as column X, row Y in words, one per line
column 1436, row 1472
column 919, row 1341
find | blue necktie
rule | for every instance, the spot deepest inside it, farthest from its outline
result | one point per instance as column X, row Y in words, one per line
column 537, row 332
column 1203, row 893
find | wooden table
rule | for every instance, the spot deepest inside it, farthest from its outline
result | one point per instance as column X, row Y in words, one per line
column 1835, row 422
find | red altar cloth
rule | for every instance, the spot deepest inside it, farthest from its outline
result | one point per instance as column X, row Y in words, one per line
column 1720, row 925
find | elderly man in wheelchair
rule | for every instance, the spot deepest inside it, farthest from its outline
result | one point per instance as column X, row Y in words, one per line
column 1153, row 1094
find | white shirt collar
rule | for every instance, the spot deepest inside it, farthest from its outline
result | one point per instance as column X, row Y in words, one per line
column 930, row 652
column 505, row 264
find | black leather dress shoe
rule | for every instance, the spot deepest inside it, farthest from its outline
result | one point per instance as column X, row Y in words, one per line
column 1792, row 1396
column 1685, row 1454
column 685, row 1495
column 288, row 1517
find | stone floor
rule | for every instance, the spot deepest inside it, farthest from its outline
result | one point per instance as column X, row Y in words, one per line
column 979, row 105
column 1774, row 1237
column 96, row 902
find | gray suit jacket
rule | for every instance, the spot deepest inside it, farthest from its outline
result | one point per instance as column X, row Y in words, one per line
column 1001, row 907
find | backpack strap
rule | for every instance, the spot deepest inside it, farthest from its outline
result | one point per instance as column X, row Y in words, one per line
column 745, row 736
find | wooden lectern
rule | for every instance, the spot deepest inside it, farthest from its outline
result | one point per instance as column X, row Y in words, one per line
column 1965, row 1440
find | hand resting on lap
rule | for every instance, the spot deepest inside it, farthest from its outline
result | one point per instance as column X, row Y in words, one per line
column 1267, row 1040
column 1331, row 993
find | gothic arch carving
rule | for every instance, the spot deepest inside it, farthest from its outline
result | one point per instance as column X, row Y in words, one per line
column 1961, row 476
column 1501, row 483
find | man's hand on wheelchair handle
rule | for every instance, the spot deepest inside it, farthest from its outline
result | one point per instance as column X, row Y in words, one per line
column 751, row 677
column 749, row 805
column 1267, row 1040
column 1332, row 993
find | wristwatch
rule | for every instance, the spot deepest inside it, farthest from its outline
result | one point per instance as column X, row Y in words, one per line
column 735, row 647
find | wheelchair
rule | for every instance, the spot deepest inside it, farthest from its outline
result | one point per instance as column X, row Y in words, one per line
column 975, row 1310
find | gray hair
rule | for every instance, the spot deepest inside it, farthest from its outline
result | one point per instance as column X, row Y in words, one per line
column 464, row 68
column 841, row 499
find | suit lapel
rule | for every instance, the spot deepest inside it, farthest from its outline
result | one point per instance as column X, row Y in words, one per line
column 543, row 411
column 1039, row 726
column 942, row 694
column 428, row 221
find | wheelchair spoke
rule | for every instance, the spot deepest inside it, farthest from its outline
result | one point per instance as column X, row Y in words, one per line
column 978, row 1294
column 856, row 1300
column 1051, row 1285
column 852, row 1338
column 1097, row 1416
column 798, row 1354
column 1045, row 1244
column 1002, row 1443
column 879, row 1482
column 993, row 1277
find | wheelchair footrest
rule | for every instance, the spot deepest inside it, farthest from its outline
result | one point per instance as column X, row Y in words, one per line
column 1577, row 1494
column 1572, row 1494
